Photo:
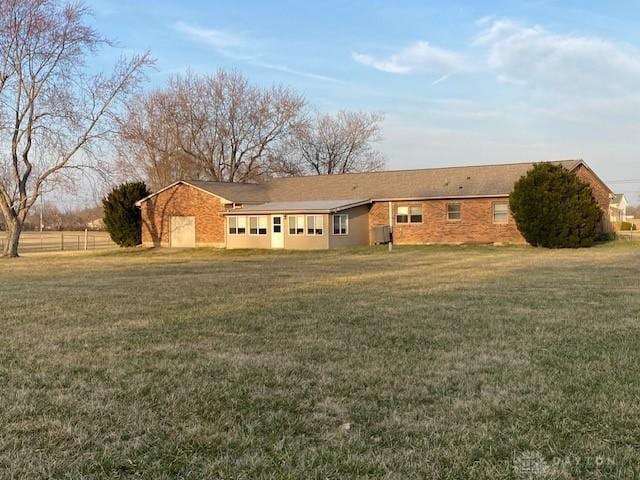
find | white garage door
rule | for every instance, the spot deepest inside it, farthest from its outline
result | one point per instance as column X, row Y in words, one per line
column 183, row 231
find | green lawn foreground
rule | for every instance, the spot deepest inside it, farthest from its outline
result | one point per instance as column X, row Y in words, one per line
column 430, row 362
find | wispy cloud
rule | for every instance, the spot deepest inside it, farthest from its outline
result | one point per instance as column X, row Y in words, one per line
column 523, row 55
column 293, row 71
column 416, row 57
column 574, row 64
column 240, row 46
column 221, row 40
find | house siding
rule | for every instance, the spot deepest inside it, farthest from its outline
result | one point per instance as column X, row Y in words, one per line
column 307, row 242
column 475, row 225
column 183, row 200
column 358, row 228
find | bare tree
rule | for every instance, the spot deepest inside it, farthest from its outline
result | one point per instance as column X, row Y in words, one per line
column 54, row 116
column 232, row 128
column 217, row 127
column 150, row 138
column 341, row 143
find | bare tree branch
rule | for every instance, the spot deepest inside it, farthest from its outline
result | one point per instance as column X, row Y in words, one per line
column 334, row 144
column 53, row 115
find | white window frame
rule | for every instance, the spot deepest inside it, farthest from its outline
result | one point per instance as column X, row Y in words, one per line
column 316, row 219
column 296, row 225
column 406, row 212
column 344, row 218
column 240, row 221
column 449, row 219
column 262, row 223
column 505, row 213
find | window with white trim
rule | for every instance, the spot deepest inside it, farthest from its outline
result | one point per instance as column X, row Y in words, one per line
column 296, row 224
column 258, row 225
column 409, row 214
column 341, row 224
column 454, row 211
column 415, row 214
column 315, row 224
column 402, row 215
column 237, row 225
column 500, row 212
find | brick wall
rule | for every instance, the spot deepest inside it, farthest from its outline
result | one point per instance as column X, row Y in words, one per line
column 183, row 200
column 475, row 226
column 600, row 193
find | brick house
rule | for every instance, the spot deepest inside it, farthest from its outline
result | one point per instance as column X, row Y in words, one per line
column 436, row 205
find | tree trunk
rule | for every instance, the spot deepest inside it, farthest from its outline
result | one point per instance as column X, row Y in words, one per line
column 14, row 229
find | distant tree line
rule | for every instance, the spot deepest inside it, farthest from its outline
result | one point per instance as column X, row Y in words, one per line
column 221, row 127
column 55, row 218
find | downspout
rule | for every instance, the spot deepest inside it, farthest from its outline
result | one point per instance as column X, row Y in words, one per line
column 390, row 227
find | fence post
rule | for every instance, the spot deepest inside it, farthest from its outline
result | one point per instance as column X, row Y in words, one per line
column 86, row 238
column 61, row 240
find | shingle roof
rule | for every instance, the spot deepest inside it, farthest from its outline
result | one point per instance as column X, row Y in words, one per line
column 235, row 192
column 313, row 206
column 448, row 182
column 484, row 180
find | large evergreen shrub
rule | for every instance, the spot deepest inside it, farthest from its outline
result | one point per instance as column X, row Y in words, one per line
column 553, row 208
column 121, row 216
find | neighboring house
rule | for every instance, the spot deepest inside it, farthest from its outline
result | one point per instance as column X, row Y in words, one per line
column 618, row 208
column 96, row 224
column 436, row 205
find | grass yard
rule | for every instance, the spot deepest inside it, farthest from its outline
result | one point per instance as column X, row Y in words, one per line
column 430, row 362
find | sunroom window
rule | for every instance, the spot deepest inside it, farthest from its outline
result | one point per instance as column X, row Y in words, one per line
column 315, row 225
column 258, row 225
column 237, row 225
column 296, row 224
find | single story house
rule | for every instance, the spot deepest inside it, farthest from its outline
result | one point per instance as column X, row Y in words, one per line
column 434, row 205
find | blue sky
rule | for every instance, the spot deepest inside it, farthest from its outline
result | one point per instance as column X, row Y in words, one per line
column 459, row 82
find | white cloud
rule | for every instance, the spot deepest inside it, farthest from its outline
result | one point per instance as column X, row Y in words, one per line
column 220, row 40
column 565, row 62
column 507, row 80
column 292, row 71
column 240, row 46
column 416, row 57
column 526, row 56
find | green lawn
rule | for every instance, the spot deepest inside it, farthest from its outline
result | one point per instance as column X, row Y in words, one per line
column 429, row 362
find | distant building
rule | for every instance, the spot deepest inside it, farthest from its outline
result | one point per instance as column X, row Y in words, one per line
column 618, row 208
column 97, row 224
